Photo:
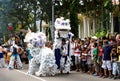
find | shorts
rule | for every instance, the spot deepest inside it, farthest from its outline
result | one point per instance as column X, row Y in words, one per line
column 100, row 59
column 107, row 65
column 115, row 68
column 96, row 65
column 90, row 66
column 77, row 59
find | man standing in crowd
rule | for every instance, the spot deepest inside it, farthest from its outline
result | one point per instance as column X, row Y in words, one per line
column 107, row 59
column 15, row 56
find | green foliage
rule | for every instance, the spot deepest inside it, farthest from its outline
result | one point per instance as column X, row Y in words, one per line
column 106, row 3
column 101, row 33
column 28, row 11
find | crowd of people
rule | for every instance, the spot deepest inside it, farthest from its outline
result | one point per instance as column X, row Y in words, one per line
column 99, row 57
column 12, row 56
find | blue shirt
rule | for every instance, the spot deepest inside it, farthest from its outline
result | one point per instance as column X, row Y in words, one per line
column 106, row 52
column 1, row 55
column 29, row 55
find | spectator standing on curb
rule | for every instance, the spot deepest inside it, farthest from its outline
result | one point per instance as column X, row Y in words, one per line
column 107, row 59
column 114, row 59
column 100, row 56
column 95, row 58
column 77, row 54
column 72, row 55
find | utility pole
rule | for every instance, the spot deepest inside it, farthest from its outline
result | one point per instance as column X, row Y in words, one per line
column 54, row 2
column 52, row 23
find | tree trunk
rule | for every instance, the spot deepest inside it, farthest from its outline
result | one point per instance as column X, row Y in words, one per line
column 116, row 24
column 74, row 23
column 41, row 21
column 35, row 21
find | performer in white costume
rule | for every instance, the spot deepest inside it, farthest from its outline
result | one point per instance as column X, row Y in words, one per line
column 34, row 50
column 61, row 44
column 65, row 60
column 47, row 64
column 34, row 62
column 43, row 61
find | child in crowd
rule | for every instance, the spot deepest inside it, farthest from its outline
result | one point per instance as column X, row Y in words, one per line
column 118, row 50
column 100, row 56
column 77, row 54
column 91, row 48
column 29, row 47
column 89, row 62
column 84, row 60
column 72, row 54
column 95, row 58
column 114, row 59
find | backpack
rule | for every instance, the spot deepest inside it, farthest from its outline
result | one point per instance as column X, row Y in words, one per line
column 14, row 50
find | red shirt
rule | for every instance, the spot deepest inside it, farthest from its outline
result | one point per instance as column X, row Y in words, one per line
column 100, row 51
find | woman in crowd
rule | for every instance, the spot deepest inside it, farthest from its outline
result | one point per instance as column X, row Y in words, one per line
column 77, row 54
column 100, row 56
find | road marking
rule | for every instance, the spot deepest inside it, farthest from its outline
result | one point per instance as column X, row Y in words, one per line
column 31, row 75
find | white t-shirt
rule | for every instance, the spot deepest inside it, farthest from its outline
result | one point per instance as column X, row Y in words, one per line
column 77, row 50
column 72, row 49
column 11, row 48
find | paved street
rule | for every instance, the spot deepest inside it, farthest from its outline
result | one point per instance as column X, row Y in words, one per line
column 20, row 75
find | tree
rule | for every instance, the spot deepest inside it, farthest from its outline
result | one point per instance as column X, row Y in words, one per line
column 21, row 12
column 28, row 11
column 74, row 6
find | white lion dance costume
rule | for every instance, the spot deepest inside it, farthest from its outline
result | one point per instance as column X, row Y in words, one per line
column 62, row 44
column 43, row 61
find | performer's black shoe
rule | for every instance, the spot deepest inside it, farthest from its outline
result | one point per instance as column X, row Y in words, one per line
column 10, row 68
column 68, row 73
